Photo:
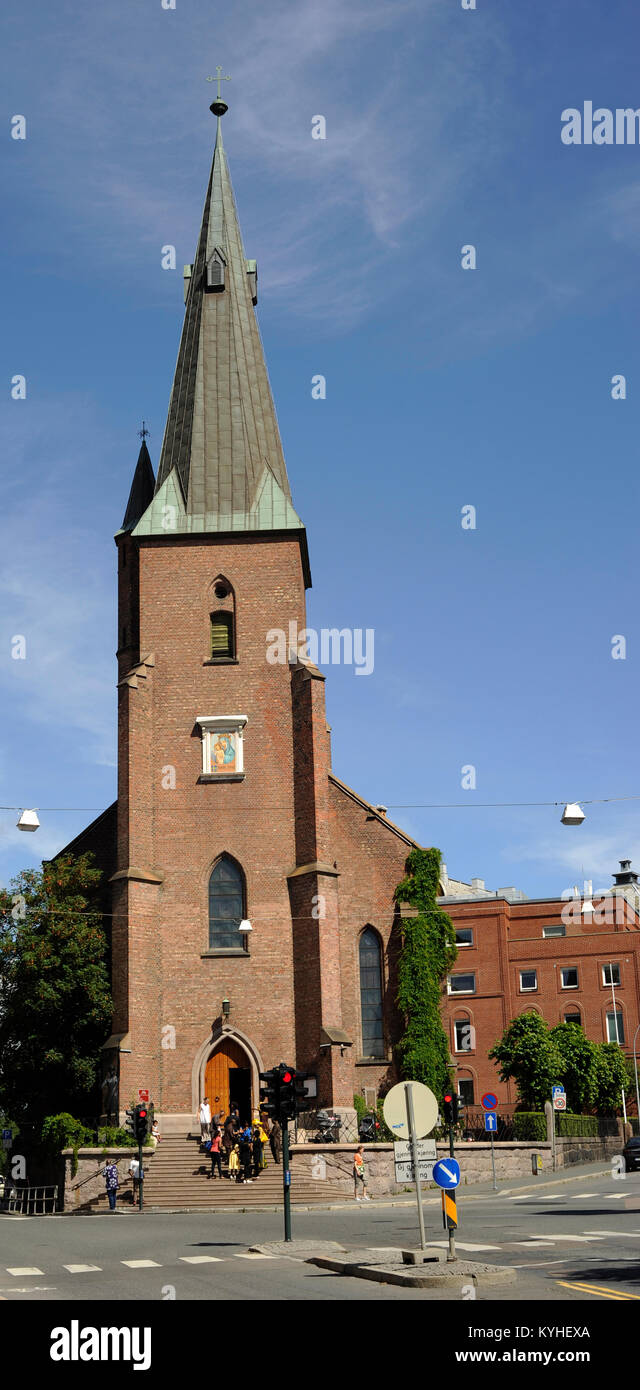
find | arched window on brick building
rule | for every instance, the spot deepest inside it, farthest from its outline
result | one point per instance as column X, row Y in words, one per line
column 370, row 958
column 227, row 900
column 222, row 631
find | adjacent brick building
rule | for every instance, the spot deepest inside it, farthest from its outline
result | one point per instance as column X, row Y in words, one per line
column 556, row 956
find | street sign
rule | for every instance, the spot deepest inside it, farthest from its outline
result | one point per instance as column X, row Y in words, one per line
column 559, row 1097
column 7, row 1138
column 491, row 1122
column 425, row 1109
column 404, row 1161
column 447, row 1172
column 143, row 1097
column 489, row 1101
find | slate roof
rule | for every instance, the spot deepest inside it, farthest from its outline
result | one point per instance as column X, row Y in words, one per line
column 142, row 489
column 222, row 467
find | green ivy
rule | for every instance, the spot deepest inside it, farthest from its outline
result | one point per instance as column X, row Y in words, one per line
column 427, row 954
column 64, row 1132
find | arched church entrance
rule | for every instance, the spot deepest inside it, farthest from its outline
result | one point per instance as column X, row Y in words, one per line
column 228, row 1077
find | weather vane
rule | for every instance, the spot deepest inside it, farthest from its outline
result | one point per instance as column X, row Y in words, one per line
column 219, row 79
column 144, row 431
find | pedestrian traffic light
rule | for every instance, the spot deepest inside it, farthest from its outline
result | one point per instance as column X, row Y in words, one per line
column 450, row 1108
column 130, row 1120
column 270, row 1093
column 141, row 1122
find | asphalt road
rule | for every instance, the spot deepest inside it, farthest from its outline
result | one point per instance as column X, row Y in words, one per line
column 577, row 1240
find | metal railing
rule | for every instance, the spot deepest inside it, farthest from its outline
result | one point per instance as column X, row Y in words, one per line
column 312, row 1128
column 39, row 1200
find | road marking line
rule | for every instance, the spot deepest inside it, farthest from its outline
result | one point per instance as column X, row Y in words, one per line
column 462, row 1245
column 83, row 1269
column 623, row 1235
column 579, row 1196
column 251, row 1255
column 586, row 1240
column 24, row 1269
column 599, row 1292
column 201, row 1259
column 613, row 1196
column 141, row 1264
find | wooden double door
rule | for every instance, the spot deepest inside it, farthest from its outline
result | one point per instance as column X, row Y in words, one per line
column 227, row 1078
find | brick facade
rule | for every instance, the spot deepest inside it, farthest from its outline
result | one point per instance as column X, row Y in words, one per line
column 507, row 940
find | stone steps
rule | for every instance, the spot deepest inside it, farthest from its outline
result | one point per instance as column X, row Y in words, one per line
column 177, row 1174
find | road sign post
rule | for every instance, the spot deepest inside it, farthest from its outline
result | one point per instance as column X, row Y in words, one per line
column 447, row 1175
column 411, row 1110
column 491, row 1125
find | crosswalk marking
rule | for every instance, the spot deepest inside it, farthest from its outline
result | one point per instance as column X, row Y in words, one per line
column 83, row 1269
column 579, row 1196
column 462, row 1245
column 251, row 1255
column 24, row 1269
column 200, row 1259
column 141, row 1264
column 623, row 1235
column 583, row 1239
column 613, row 1196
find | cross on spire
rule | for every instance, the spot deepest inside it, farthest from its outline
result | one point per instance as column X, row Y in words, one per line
column 219, row 79
column 144, row 431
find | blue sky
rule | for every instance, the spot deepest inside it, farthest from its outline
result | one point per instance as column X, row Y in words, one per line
column 444, row 388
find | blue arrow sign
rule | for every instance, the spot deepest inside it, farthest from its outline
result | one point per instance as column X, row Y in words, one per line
column 447, row 1172
column 491, row 1122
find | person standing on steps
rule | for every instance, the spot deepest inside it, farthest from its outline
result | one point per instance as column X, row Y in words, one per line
column 112, row 1184
column 216, row 1157
column 245, row 1141
column 205, row 1120
column 275, row 1140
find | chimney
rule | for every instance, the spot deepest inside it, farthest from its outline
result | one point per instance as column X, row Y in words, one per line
column 626, row 874
column 477, row 885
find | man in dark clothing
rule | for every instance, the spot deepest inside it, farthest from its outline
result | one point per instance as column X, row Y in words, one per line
column 245, row 1154
column 275, row 1141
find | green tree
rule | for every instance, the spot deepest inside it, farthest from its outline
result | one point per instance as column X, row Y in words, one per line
column 529, row 1054
column 578, row 1071
column 610, row 1077
column 427, row 954
column 55, row 1004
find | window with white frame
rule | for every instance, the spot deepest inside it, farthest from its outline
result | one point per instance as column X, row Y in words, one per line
column 464, row 1035
column 461, row 984
column 464, row 936
column 569, row 977
column 615, row 1027
column 611, row 974
column 557, row 929
column 528, row 981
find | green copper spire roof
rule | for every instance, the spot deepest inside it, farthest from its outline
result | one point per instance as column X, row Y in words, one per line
column 222, row 467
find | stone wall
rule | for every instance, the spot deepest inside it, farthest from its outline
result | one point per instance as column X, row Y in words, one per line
column 88, row 1182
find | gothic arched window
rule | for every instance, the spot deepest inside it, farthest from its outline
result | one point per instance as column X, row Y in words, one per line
column 371, row 994
column 222, row 636
column 226, row 905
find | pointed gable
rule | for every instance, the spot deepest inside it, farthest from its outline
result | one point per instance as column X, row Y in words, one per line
column 221, row 447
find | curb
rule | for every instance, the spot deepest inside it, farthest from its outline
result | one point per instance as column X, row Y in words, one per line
column 418, row 1279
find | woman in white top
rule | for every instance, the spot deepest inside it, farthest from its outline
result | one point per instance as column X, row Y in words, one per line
column 205, row 1119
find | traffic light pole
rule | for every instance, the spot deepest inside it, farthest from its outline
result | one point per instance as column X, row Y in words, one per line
column 141, row 1176
column 286, row 1177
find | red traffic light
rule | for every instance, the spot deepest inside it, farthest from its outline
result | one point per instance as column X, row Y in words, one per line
column 287, row 1076
column 142, row 1114
column 448, row 1098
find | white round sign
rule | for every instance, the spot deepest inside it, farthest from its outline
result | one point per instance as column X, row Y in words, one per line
column 425, row 1109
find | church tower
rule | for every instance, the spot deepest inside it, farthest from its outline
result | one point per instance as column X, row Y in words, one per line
column 252, row 891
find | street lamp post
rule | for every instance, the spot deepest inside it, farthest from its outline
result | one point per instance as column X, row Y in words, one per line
column 615, row 1019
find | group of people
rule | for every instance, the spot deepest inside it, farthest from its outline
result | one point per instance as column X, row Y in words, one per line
column 241, row 1146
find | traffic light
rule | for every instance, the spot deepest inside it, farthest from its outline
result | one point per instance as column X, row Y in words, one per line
column 270, row 1093
column 303, row 1101
column 130, row 1121
column 141, row 1118
column 287, row 1087
column 450, row 1108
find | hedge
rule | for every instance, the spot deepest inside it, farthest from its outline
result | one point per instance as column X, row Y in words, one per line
column 577, row 1126
column 530, row 1126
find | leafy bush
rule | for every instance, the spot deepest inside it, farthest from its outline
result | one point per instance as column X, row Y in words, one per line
column 530, row 1126
column 63, row 1132
column 112, row 1137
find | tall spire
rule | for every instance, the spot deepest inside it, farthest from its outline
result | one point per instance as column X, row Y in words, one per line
column 222, row 467
column 142, row 486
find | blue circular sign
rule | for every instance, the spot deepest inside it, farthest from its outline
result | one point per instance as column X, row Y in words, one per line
column 447, row 1172
column 489, row 1101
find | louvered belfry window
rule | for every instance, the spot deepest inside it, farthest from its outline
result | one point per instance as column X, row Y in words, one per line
column 221, row 635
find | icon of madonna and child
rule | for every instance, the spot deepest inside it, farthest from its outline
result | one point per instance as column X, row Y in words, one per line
column 223, row 753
